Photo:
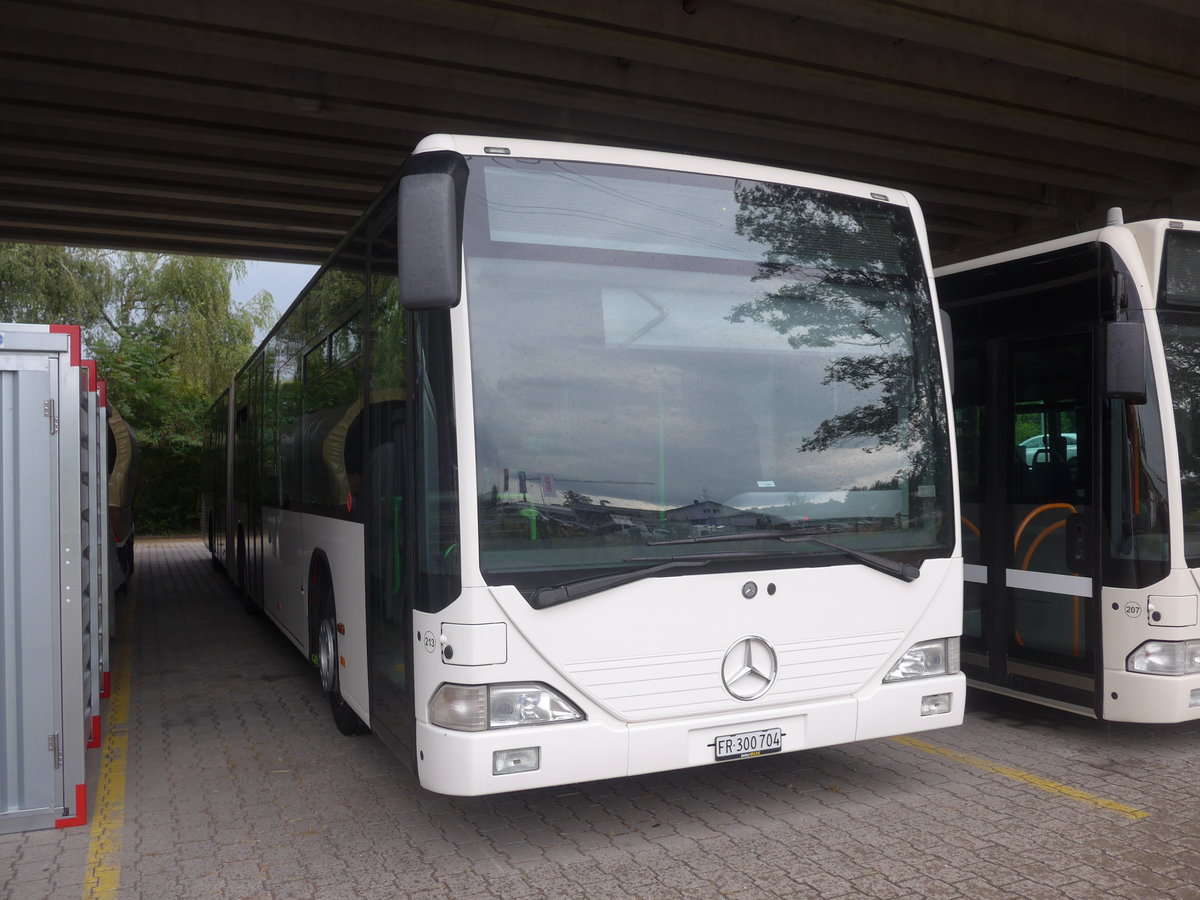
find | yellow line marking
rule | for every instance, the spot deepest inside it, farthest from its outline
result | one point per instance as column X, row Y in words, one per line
column 108, row 822
column 1037, row 781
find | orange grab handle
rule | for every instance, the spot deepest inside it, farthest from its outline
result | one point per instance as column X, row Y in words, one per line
column 1077, row 636
column 1029, row 518
column 1038, row 540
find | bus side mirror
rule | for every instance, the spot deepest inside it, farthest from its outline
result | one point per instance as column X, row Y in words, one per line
column 1125, row 365
column 429, row 226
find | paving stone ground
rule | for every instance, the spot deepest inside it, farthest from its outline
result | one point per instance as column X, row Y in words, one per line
column 239, row 786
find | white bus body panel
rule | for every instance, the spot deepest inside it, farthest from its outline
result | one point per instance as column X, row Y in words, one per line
column 1166, row 611
column 515, row 148
column 1129, row 613
column 643, row 661
column 292, row 539
column 286, row 559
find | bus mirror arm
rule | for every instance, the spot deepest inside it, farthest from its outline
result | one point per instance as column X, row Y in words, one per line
column 429, row 225
column 1124, row 358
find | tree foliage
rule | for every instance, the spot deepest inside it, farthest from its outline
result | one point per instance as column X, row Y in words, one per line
column 163, row 329
column 49, row 284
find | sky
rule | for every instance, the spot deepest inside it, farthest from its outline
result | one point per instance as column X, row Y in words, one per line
column 283, row 280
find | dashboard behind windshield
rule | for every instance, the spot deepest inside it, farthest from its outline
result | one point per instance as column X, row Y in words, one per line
column 658, row 356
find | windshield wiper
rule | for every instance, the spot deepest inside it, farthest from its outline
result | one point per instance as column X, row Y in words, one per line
column 573, row 590
column 903, row 571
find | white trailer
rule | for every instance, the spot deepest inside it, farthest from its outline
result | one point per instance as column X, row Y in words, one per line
column 52, row 588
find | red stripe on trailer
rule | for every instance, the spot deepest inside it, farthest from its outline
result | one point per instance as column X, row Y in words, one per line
column 94, row 740
column 76, row 340
column 103, row 392
column 90, row 365
column 80, row 817
column 105, row 681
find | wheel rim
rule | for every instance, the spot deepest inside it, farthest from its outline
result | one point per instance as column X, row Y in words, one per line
column 327, row 654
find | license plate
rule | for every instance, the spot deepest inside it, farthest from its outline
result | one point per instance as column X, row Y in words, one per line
column 749, row 743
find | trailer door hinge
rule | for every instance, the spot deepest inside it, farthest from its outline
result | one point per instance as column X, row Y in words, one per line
column 54, row 745
column 48, row 412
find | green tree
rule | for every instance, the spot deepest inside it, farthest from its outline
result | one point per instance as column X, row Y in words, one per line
column 166, row 336
column 41, row 283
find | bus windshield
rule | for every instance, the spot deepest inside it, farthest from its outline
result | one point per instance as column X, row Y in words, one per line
column 1179, row 319
column 659, row 356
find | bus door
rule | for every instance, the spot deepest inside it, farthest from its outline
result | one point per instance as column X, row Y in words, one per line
column 1026, row 419
column 389, row 610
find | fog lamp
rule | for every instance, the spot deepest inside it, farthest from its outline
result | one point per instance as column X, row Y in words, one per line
column 935, row 704
column 525, row 759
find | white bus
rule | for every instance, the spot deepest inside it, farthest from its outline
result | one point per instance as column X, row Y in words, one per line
column 592, row 461
column 1077, row 402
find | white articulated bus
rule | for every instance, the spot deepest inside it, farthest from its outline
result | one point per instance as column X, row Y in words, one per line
column 1078, row 414
column 577, row 462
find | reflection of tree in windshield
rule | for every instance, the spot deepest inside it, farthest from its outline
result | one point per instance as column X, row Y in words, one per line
column 849, row 276
column 875, row 423
column 840, row 289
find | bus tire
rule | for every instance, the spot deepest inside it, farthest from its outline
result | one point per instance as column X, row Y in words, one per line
column 344, row 717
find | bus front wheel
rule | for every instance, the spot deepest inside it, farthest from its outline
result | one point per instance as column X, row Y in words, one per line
column 344, row 717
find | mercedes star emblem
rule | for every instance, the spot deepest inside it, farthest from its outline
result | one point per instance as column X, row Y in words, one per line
column 749, row 668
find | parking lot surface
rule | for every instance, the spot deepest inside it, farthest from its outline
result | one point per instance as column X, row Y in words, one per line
column 222, row 775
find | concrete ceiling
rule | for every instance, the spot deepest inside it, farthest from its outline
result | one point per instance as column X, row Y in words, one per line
column 261, row 128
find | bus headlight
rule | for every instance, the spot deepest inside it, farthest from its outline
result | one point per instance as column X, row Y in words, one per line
column 925, row 659
column 1165, row 658
column 528, row 704
column 478, row 707
column 462, row 707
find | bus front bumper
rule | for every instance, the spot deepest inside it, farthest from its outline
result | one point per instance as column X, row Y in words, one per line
column 1151, row 699
column 512, row 759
